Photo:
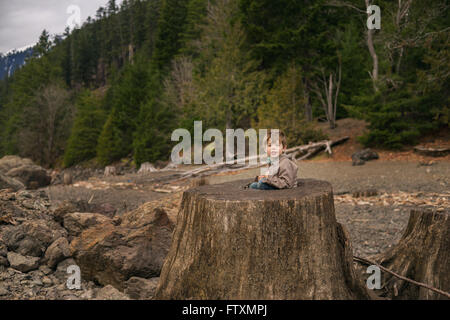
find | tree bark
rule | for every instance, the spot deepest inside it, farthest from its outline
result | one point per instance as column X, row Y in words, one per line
column 422, row 254
column 235, row 243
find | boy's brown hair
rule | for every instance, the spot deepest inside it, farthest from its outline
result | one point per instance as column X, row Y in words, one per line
column 281, row 135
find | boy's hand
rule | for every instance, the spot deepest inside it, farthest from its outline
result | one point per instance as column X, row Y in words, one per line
column 262, row 177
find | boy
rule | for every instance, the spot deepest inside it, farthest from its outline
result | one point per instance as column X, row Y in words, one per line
column 285, row 175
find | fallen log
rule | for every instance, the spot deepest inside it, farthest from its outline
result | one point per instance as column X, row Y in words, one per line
column 326, row 144
column 432, row 152
column 235, row 243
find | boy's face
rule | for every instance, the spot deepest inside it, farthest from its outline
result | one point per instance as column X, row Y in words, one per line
column 274, row 150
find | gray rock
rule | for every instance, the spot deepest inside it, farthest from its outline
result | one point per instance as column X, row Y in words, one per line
column 69, row 206
column 3, row 291
column 10, row 162
column 3, row 249
column 61, row 270
column 45, row 269
column 32, row 238
column 37, row 282
column 4, row 262
column 360, row 157
column 22, row 263
column 10, row 183
column 46, row 281
column 110, row 293
column 140, row 288
column 112, row 254
column 32, row 176
column 57, row 252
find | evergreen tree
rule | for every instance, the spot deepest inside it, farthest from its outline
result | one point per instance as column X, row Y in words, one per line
column 86, row 130
column 44, row 44
column 128, row 94
column 112, row 144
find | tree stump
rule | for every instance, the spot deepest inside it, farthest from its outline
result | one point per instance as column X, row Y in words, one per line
column 146, row 167
column 110, row 171
column 422, row 254
column 67, row 178
column 235, row 243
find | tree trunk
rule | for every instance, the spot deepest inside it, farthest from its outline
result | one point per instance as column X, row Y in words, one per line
column 235, row 243
column 373, row 54
column 308, row 107
column 422, row 254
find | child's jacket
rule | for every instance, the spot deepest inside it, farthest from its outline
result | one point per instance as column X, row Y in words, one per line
column 286, row 175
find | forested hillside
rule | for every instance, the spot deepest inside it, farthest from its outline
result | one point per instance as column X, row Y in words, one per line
column 121, row 83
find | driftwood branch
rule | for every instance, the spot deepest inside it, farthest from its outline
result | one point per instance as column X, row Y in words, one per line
column 432, row 152
column 420, row 284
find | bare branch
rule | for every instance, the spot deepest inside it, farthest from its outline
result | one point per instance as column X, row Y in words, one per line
column 344, row 4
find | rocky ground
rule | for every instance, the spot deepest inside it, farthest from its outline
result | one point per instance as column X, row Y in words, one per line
column 117, row 229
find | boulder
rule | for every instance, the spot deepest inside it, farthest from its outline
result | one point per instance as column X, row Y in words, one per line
column 69, row 206
column 105, row 209
column 32, row 176
column 140, row 288
column 360, row 157
column 57, row 252
column 61, row 270
column 10, row 183
column 10, row 162
column 22, row 263
column 3, row 249
column 31, row 238
column 112, row 254
column 4, row 262
column 76, row 222
column 3, row 291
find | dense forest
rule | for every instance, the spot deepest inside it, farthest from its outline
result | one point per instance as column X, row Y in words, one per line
column 118, row 85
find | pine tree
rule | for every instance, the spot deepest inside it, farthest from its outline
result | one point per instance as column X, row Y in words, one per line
column 170, row 27
column 44, row 44
column 127, row 95
column 112, row 144
column 86, row 130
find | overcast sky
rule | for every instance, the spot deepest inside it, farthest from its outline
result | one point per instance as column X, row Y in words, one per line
column 22, row 21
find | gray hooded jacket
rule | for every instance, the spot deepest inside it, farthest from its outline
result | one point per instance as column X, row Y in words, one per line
column 286, row 175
